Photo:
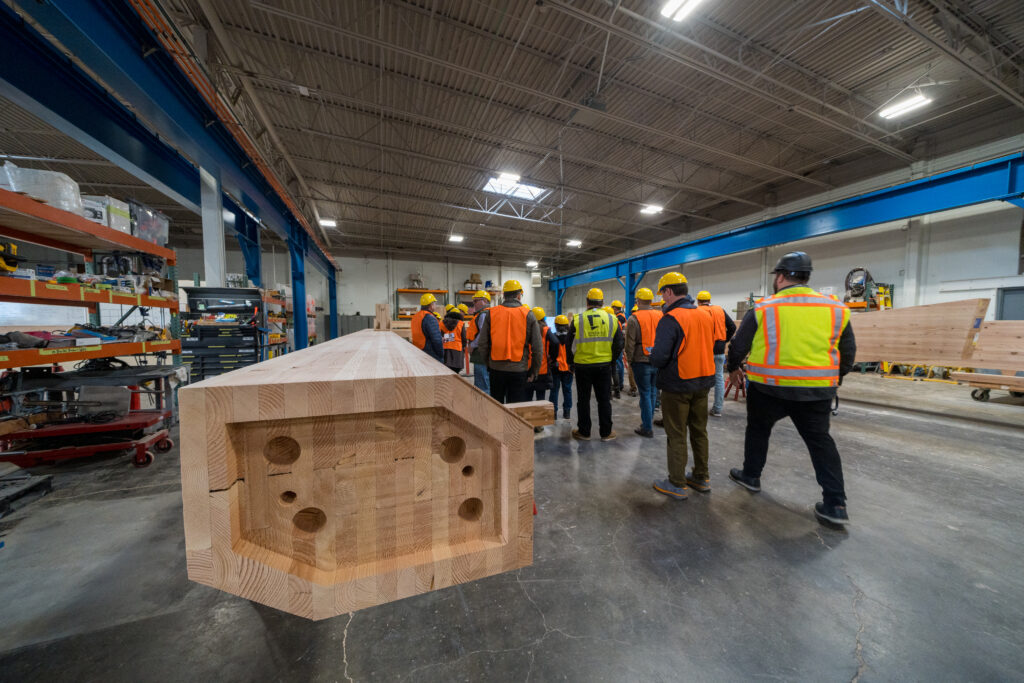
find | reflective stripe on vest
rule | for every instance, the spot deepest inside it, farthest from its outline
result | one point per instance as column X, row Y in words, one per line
column 508, row 333
column 797, row 343
column 648, row 320
column 418, row 338
column 717, row 314
column 696, row 354
column 452, row 339
column 595, row 330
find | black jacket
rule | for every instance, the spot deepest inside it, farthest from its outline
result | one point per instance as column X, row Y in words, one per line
column 667, row 338
column 618, row 340
column 432, row 331
column 744, row 338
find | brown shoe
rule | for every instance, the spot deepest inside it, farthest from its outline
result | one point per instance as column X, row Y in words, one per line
column 580, row 437
column 610, row 437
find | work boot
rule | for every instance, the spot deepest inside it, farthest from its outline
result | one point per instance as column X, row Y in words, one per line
column 749, row 483
column 633, row 393
column 702, row 485
column 610, row 437
column 643, row 432
column 833, row 514
column 618, row 394
column 565, row 414
column 576, row 434
column 669, row 489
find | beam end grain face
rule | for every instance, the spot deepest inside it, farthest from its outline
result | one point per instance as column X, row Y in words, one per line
column 381, row 476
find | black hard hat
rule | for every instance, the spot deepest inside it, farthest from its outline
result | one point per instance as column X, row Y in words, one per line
column 794, row 262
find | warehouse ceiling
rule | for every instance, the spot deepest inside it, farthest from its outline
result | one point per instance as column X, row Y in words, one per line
column 395, row 118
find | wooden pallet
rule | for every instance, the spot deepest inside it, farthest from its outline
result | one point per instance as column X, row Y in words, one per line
column 350, row 474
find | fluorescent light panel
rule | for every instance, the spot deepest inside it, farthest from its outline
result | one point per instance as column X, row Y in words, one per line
column 328, row 223
column 678, row 9
column 907, row 105
column 531, row 264
column 455, row 238
column 652, row 208
column 574, row 243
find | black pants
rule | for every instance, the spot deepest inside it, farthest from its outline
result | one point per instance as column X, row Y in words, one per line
column 811, row 419
column 599, row 378
column 508, row 387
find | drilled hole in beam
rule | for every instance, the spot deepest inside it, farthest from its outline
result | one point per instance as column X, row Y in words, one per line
column 282, row 450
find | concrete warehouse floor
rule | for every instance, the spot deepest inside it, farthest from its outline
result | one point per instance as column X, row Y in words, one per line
column 626, row 584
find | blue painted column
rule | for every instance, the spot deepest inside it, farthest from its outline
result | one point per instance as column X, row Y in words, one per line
column 332, row 297
column 300, row 324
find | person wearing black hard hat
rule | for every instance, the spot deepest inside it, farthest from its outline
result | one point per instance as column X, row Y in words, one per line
column 798, row 344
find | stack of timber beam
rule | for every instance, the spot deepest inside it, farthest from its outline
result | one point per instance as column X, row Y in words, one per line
column 350, row 474
column 936, row 334
column 1000, row 347
column 382, row 321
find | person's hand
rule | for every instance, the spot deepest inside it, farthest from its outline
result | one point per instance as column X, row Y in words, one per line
column 531, row 378
column 737, row 377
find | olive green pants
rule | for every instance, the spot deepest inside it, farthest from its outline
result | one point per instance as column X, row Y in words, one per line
column 684, row 413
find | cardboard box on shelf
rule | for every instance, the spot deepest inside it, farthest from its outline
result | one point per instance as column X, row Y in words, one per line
column 108, row 211
column 94, row 209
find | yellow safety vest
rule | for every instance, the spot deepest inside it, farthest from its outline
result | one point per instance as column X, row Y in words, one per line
column 797, row 339
column 595, row 330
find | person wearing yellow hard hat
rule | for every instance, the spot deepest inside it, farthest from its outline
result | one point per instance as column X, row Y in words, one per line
column 453, row 338
column 511, row 342
column 800, row 345
column 481, row 378
column 463, row 309
column 536, row 390
column 619, row 371
column 640, row 330
column 725, row 327
column 683, row 354
column 426, row 334
column 596, row 339
column 561, row 371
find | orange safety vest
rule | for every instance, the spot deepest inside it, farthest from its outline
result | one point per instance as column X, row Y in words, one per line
column 717, row 314
column 474, row 328
column 547, row 350
column 452, row 339
column 419, row 339
column 508, row 332
column 648, row 319
column 696, row 355
column 563, row 360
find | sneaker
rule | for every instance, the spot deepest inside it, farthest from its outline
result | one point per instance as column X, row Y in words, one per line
column 715, row 413
column 749, row 483
column 610, row 437
column 702, row 485
column 670, row 489
column 579, row 436
column 642, row 432
column 658, row 422
column 834, row 514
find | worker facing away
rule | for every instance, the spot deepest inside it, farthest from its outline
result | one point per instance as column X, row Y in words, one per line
column 640, row 332
column 683, row 353
column 481, row 303
column 596, row 340
column 510, row 341
column 453, row 338
column 620, row 370
column 561, row 371
column 426, row 334
column 724, row 328
column 538, row 388
column 805, row 347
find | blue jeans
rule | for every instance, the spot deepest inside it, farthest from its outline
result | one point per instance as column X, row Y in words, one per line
column 562, row 380
column 620, row 372
column 719, row 382
column 645, row 375
column 481, row 380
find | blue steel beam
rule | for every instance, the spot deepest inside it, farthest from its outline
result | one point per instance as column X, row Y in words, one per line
column 332, row 297
column 996, row 180
column 300, row 323
column 111, row 40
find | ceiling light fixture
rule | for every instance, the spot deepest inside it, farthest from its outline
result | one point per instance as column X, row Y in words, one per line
column 907, row 105
column 328, row 223
column 574, row 243
column 509, row 177
column 455, row 238
column 651, row 209
column 678, row 9
column 508, row 184
column 531, row 264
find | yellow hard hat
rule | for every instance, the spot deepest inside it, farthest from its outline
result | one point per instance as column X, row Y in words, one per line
column 608, row 309
column 633, row 310
column 427, row 299
column 704, row 295
column 538, row 313
column 449, row 307
column 595, row 294
column 437, row 315
column 511, row 286
column 658, row 303
column 616, row 304
column 482, row 295
column 644, row 294
column 561, row 320
column 463, row 308
column 672, row 278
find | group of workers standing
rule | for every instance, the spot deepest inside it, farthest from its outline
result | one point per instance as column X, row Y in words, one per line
column 795, row 344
